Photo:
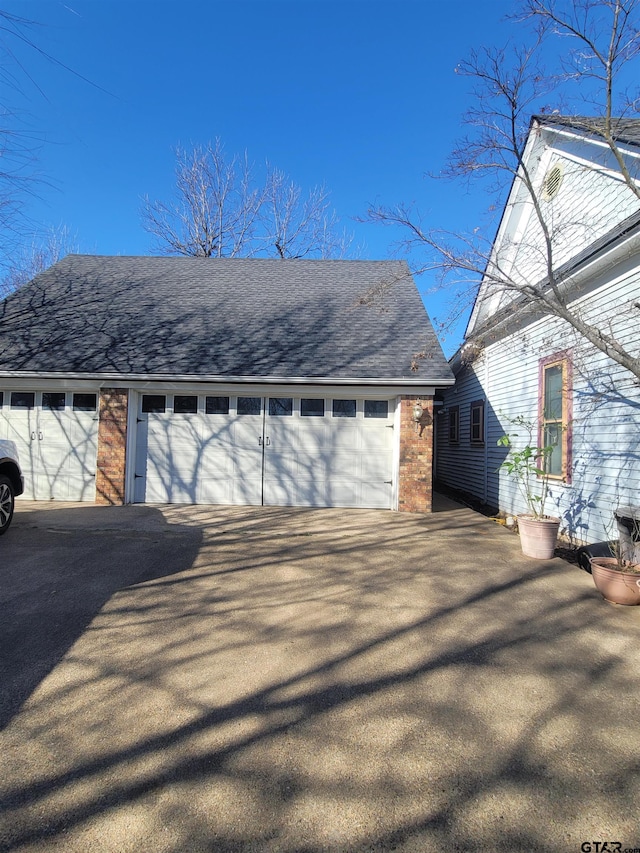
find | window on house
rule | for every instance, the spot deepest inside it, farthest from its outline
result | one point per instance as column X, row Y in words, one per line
column 249, row 405
column 454, row 424
column 85, row 402
column 54, row 401
column 376, row 409
column 344, row 408
column 216, row 405
column 23, row 399
column 280, row 406
column 555, row 414
column 311, row 408
column 476, row 422
column 154, row 403
column 185, row 404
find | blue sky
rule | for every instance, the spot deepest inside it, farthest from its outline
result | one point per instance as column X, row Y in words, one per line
column 359, row 95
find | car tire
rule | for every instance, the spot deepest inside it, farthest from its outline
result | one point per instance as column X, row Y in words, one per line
column 7, row 503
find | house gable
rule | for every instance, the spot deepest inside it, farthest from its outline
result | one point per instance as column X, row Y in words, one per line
column 541, row 380
column 589, row 203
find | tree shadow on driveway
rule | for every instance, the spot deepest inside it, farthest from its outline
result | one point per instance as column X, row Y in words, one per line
column 333, row 682
column 59, row 567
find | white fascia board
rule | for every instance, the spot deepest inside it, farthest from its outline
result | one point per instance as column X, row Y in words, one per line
column 589, row 270
column 534, row 141
column 26, row 380
column 573, row 134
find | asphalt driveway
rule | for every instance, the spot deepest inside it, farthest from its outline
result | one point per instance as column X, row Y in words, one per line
column 233, row 679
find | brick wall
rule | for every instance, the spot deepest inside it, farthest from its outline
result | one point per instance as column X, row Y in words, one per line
column 415, row 490
column 112, row 446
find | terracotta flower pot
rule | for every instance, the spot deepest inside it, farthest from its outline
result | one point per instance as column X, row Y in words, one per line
column 538, row 536
column 617, row 587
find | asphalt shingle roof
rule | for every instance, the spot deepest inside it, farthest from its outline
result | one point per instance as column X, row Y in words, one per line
column 222, row 318
column 624, row 130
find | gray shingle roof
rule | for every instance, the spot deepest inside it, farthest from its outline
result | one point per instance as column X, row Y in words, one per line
column 221, row 317
column 624, row 130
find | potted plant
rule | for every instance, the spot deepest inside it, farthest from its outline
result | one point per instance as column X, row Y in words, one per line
column 617, row 578
column 528, row 466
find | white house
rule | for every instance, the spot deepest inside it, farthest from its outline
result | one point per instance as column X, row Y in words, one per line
column 520, row 362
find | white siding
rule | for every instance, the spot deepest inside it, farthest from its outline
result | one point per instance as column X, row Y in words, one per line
column 591, row 200
column 606, row 413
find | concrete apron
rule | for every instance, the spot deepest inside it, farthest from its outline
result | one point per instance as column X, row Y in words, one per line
column 236, row 679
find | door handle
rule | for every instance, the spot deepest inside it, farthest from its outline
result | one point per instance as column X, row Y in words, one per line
column 33, row 436
column 267, row 441
column 40, row 435
column 260, row 441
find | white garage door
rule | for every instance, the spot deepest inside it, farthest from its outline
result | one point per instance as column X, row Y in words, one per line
column 56, row 433
column 276, row 451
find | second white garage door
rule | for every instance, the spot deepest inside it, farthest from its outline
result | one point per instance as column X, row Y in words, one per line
column 276, row 451
column 56, row 433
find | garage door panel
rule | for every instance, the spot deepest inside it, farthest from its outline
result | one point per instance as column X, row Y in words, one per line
column 346, row 440
column 283, row 458
column 217, row 434
column 344, row 465
column 181, row 428
column 215, row 490
column 344, row 493
column 312, row 438
column 280, row 493
column 295, row 465
column 373, row 469
column 57, row 447
column 374, row 441
column 247, row 492
column 161, row 491
column 303, row 492
column 378, row 494
column 184, row 457
column 216, row 462
column 248, row 465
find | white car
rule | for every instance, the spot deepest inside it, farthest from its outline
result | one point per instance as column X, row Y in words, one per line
column 11, row 482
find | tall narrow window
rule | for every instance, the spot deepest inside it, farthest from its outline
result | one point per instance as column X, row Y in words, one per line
column 555, row 414
column 476, row 421
column 454, row 424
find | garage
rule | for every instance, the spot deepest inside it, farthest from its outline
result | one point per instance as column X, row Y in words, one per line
column 238, row 381
column 56, row 433
column 272, row 451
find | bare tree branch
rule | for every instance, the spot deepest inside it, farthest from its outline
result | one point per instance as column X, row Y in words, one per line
column 598, row 41
column 42, row 252
column 220, row 210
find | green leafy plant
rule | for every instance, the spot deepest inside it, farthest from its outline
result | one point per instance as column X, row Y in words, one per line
column 528, row 466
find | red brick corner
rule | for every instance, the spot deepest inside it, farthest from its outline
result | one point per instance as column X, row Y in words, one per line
column 112, row 446
column 415, row 492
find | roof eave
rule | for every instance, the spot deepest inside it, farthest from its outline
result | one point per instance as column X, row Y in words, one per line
column 120, row 378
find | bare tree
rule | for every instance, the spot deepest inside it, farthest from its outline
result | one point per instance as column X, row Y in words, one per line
column 296, row 226
column 42, row 252
column 599, row 41
column 220, row 210
column 215, row 209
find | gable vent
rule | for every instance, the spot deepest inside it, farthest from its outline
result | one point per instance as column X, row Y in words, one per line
column 551, row 183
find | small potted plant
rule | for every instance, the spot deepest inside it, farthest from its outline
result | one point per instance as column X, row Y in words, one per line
column 528, row 466
column 617, row 578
